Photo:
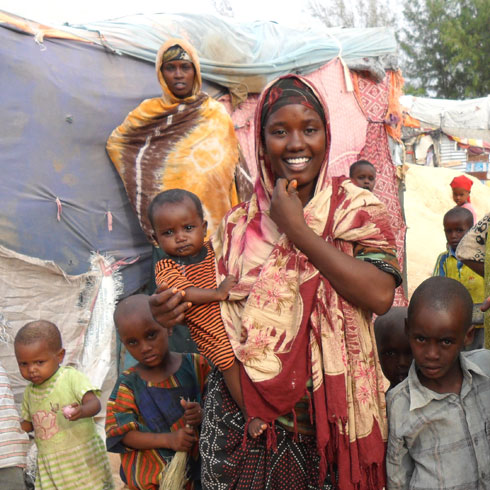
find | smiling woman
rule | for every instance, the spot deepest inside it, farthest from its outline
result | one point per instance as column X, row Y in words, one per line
column 313, row 257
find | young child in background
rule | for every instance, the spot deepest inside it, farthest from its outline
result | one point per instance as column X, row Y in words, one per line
column 461, row 187
column 154, row 409
column 59, row 405
column 14, row 442
column 179, row 229
column 439, row 416
column 457, row 221
column 363, row 174
column 394, row 350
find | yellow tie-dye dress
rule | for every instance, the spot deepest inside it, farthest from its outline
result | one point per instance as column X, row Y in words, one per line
column 167, row 142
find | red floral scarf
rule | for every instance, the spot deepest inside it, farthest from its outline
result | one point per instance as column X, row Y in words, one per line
column 287, row 324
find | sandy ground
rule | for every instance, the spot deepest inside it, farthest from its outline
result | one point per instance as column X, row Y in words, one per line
column 114, row 459
column 427, row 197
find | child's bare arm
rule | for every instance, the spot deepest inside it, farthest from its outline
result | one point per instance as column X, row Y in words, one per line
column 89, row 407
column 199, row 296
column 26, row 426
column 232, row 381
column 180, row 440
column 231, row 376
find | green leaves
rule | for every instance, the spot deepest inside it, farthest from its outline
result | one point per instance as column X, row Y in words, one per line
column 445, row 44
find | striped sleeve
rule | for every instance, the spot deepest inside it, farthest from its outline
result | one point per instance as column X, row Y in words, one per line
column 202, row 370
column 384, row 259
column 24, row 410
column 14, row 442
column 168, row 271
column 440, row 267
column 122, row 416
column 204, row 321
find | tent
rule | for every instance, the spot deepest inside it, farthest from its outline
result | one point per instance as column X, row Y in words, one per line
column 64, row 89
column 448, row 133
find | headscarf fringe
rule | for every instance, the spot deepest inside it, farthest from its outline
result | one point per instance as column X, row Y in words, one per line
column 271, row 436
column 310, row 407
column 245, row 433
column 295, row 422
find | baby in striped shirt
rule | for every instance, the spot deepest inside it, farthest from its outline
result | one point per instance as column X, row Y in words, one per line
column 179, row 228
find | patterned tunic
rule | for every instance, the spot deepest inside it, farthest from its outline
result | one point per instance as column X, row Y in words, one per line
column 71, row 455
column 204, row 321
column 136, row 404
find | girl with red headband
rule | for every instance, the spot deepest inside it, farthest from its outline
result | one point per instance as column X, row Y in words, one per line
column 461, row 187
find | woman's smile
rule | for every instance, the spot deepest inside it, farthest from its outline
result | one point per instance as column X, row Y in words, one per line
column 295, row 142
column 298, row 164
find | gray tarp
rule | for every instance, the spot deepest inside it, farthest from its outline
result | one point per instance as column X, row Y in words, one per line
column 244, row 57
column 60, row 102
column 463, row 118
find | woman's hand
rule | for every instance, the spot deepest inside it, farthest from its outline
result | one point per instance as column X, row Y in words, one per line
column 167, row 306
column 192, row 413
column 286, row 207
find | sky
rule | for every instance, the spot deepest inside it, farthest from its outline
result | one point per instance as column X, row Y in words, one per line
column 82, row 11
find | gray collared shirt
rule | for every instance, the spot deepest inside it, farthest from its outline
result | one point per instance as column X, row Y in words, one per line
column 441, row 441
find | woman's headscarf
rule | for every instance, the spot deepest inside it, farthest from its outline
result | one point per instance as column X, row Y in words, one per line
column 168, row 142
column 287, row 324
column 175, row 49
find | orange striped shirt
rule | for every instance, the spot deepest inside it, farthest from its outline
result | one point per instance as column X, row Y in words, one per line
column 204, row 320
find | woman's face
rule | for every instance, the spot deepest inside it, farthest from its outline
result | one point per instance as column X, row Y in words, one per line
column 179, row 76
column 295, row 143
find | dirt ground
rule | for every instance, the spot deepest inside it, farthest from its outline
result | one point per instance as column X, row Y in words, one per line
column 115, row 462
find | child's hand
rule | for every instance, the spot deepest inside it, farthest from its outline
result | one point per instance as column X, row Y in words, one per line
column 72, row 412
column 226, row 285
column 485, row 305
column 192, row 413
column 182, row 439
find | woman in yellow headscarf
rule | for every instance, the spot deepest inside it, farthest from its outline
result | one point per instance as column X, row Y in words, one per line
column 183, row 139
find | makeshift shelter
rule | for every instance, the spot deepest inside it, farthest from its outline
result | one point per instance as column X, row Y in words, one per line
column 448, row 133
column 65, row 88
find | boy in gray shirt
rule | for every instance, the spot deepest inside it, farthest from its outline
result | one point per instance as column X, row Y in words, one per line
column 439, row 417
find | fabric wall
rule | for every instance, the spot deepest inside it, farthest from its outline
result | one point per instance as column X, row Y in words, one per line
column 60, row 101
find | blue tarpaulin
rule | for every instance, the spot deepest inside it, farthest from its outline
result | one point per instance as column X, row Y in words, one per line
column 61, row 98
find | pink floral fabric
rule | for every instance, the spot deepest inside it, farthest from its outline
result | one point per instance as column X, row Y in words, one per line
column 286, row 323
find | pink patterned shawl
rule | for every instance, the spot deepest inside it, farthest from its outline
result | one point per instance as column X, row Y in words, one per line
column 287, row 324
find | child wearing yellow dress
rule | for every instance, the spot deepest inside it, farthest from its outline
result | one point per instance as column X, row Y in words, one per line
column 59, row 405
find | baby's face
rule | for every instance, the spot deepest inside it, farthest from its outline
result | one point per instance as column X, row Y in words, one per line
column 364, row 176
column 37, row 361
column 179, row 230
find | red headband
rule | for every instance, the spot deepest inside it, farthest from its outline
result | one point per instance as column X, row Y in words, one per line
column 461, row 182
